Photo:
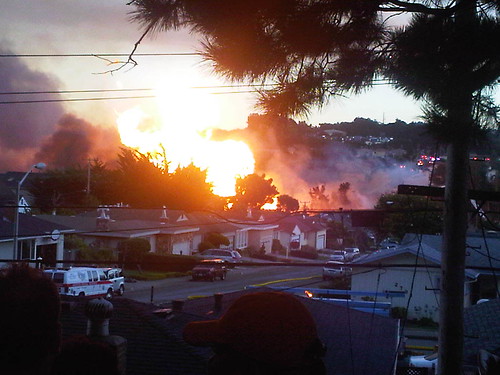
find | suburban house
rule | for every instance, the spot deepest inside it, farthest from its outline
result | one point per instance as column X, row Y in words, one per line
column 168, row 231
column 298, row 231
column 417, row 272
column 37, row 239
column 294, row 231
column 106, row 227
column 356, row 343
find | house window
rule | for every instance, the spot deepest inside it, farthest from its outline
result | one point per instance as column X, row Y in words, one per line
column 26, row 249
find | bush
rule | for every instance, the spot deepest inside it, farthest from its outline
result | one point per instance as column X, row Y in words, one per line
column 398, row 312
column 168, row 263
column 133, row 249
column 277, row 247
column 205, row 245
column 217, row 239
column 96, row 255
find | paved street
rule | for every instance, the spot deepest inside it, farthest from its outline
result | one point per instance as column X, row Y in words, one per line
column 164, row 291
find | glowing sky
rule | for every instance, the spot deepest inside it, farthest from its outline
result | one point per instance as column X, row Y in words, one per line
column 96, row 27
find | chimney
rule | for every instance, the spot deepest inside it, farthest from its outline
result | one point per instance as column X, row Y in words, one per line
column 102, row 222
column 98, row 312
column 164, row 216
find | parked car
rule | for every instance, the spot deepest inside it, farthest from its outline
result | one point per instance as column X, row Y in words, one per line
column 351, row 253
column 333, row 270
column 230, row 256
column 338, row 255
column 209, row 269
column 115, row 275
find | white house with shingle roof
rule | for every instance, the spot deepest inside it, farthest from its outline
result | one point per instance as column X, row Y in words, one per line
column 414, row 268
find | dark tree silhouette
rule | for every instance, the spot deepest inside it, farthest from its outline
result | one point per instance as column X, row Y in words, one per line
column 287, row 203
column 319, row 200
column 190, row 191
column 313, row 50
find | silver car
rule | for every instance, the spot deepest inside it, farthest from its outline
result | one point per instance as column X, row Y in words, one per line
column 333, row 270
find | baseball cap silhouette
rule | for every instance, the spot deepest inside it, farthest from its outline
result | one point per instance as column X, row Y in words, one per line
column 271, row 327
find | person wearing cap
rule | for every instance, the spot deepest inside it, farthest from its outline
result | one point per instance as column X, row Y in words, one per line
column 261, row 333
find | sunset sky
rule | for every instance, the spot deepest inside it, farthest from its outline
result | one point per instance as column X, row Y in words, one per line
column 32, row 132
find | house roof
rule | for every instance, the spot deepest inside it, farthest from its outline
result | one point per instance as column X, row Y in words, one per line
column 29, row 226
column 483, row 253
column 477, row 260
column 155, row 345
column 481, row 329
column 118, row 228
column 151, row 348
column 372, row 338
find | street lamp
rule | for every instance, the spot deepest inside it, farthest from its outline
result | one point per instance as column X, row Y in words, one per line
column 18, row 198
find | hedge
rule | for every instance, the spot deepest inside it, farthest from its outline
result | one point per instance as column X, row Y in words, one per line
column 168, row 263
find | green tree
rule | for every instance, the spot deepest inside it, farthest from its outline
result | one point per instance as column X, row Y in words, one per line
column 409, row 214
column 217, row 239
column 133, row 249
column 287, row 203
column 253, row 191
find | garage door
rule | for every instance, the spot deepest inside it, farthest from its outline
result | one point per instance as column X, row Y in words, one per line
column 321, row 242
column 181, row 248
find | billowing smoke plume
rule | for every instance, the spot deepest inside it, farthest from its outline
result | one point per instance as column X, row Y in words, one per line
column 76, row 140
column 297, row 170
column 23, row 126
column 42, row 132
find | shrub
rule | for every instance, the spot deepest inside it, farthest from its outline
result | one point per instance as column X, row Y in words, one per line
column 277, row 247
column 217, row 239
column 398, row 312
column 96, row 254
column 133, row 249
column 204, row 245
column 168, row 263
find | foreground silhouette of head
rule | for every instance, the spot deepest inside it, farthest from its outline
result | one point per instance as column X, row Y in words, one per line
column 30, row 332
column 261, row 333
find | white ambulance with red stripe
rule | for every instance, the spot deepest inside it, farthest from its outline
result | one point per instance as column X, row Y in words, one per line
column 81, row 281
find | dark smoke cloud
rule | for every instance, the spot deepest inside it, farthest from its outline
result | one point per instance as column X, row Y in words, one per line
column 43, row 132
column 23, row 126
column 75, row 140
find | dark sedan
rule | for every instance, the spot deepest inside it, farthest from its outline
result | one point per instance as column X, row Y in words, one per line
column 209, row 269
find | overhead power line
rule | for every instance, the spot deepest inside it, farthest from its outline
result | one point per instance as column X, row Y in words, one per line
column 100, row 54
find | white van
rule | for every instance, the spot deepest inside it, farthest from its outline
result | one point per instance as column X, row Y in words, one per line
column 81, row 281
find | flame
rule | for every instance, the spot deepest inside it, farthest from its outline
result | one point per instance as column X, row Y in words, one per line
column 308, row 294
column 182, row 129
column 271, row 206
